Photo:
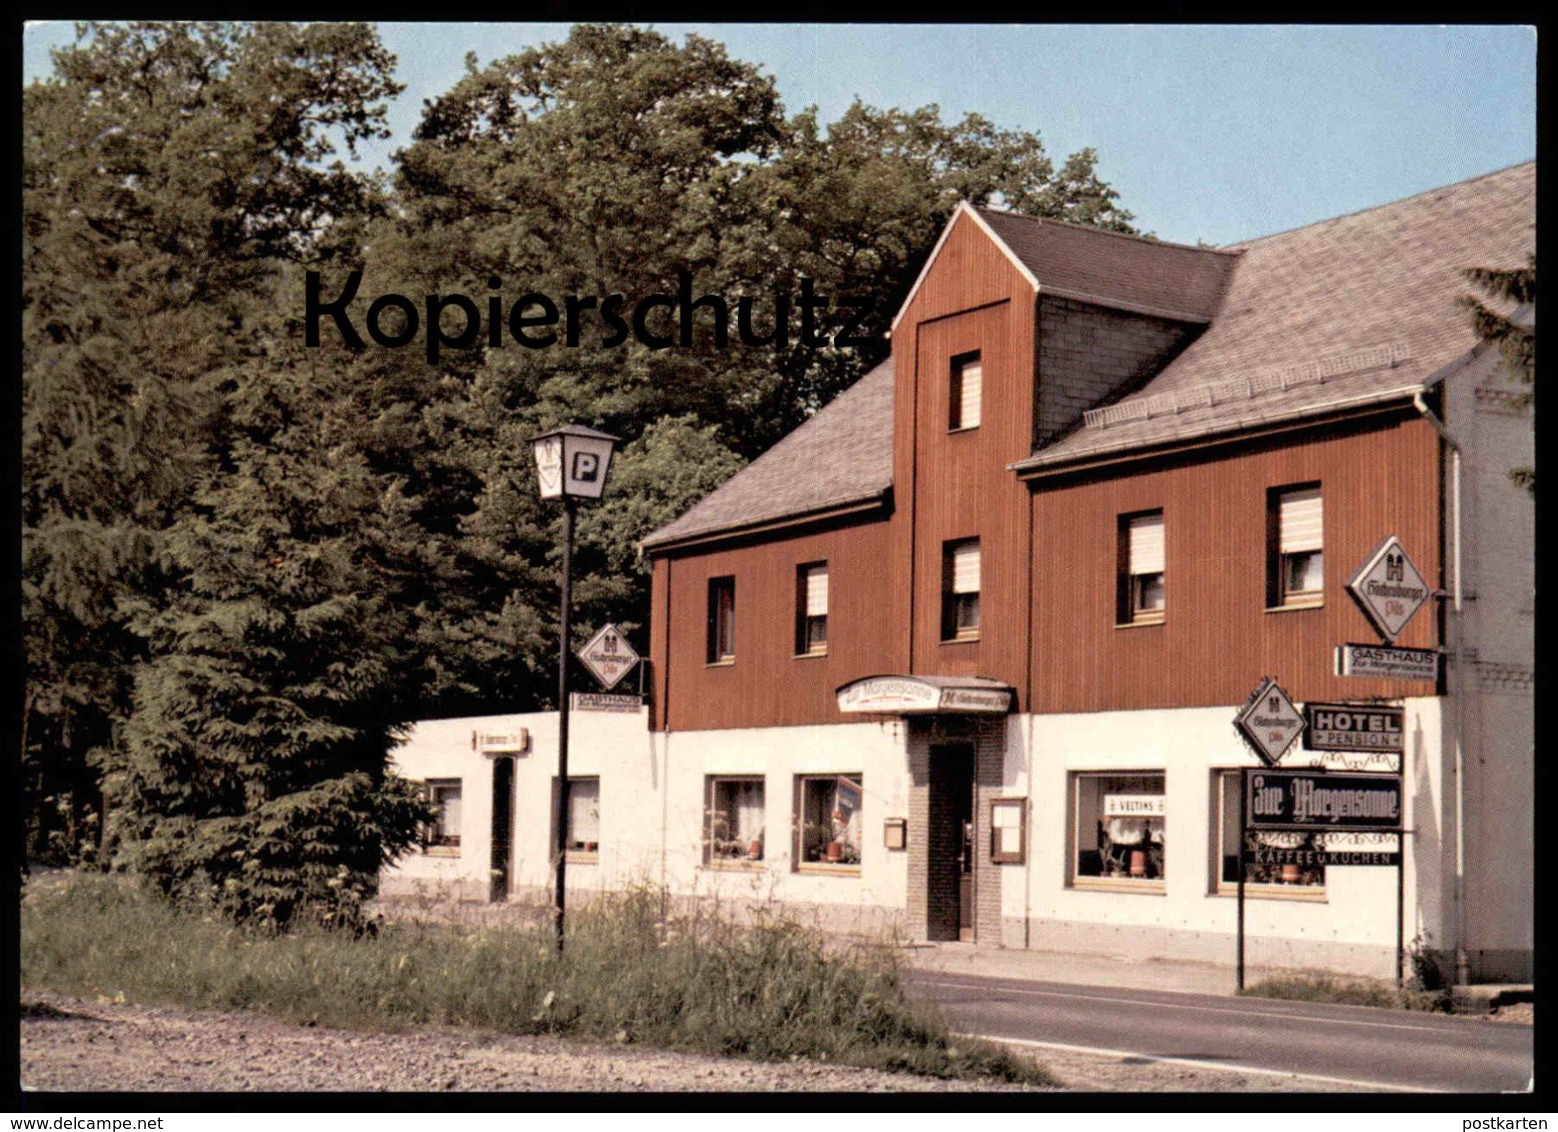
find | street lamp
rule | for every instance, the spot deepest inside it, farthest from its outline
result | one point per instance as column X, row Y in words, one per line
column 571, row 464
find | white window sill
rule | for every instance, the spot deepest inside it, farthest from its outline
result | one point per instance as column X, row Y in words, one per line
column 1142, row 622
column 813, row 655
column 1296, row 606
column 442, row 851
column 819, row 869
column 1119, row 884
column 725, row 662
column 736, row 865
column 1303, row 894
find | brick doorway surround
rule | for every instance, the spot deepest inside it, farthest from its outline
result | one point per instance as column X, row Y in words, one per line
column 932, row 895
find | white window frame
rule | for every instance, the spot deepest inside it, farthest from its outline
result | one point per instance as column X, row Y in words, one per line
column 1225, row 814
column 962, row 568
column 723, row 846
column 1143, row 549
column 812, row 599
column 582, row 849
column 848, row 831
column 721, row 644
column 965, row 392
column 437, row 840
column 1116, row 862
column 1296, row 518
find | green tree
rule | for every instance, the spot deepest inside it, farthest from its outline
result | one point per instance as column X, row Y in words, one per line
column 618, row 162
column 170, row 173
column 1516, row 340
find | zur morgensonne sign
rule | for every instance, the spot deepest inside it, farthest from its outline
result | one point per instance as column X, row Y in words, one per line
column 1312, row 799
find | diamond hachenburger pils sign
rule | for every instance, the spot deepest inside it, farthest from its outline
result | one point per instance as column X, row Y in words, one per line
column 608, row 656
column 1389, row 588
column 1269, row 723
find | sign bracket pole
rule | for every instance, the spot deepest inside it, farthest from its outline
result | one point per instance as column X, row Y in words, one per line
column 1401, row 888
column 1244, row 785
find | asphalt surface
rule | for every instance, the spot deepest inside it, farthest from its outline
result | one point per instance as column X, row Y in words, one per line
column 1362, row 1045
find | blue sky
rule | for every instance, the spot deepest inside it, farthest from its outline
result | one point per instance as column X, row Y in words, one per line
column 1213, row 133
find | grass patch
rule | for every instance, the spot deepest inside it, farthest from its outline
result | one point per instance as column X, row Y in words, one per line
column 701, row 983
column 1349, row 992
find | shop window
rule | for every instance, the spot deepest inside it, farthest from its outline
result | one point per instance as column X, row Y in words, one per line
column 443, row 832
column 735, row 826
column 583, row 838
column 1295, row 571
column 722, row 620
column 811, row 609
column 966, row 389
column 960, row 590
column 828, row 822
column 1140, row 569
column 1279, row 858
column 1118, row 827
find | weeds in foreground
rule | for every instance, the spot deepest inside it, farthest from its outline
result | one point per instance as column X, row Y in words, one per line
column 1350, row 992
column 700, row 982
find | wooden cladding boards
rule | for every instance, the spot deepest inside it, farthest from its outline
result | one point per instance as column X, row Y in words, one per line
column 766, row 684
column 951, row 484
column 1217, row 637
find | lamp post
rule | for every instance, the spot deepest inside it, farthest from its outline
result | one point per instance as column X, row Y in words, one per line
column 571, row 465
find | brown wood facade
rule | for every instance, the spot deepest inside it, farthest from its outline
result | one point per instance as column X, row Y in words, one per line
column 1218, row 637
column 1049, row 549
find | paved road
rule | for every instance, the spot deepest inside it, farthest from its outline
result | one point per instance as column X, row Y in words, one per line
column 1340, row 1043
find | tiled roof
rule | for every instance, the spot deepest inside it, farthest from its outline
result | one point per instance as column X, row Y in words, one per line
column 1346, row 311
column 842, row 455
column 1111, row 268
column 1360, row 309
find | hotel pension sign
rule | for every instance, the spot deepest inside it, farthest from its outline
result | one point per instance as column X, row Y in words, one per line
column 1353, row 727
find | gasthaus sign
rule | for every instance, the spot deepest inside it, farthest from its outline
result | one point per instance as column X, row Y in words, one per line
column 1320, row 800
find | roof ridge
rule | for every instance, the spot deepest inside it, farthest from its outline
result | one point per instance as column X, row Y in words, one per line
column 1242, row 244
column 1103, row 231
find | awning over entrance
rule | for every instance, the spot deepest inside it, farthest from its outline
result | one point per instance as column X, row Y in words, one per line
column 925, row 695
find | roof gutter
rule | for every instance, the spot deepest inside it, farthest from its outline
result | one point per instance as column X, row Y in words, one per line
column 1457, row 689
column 1341, row 408
column 879, row 500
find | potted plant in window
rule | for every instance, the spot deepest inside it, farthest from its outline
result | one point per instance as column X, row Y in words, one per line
column 755, row 847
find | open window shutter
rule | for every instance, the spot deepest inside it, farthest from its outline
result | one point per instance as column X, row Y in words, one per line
column 972, row 394
column 1300, row 519
column 817, row 592
column 965, row 569
column 1147, row 545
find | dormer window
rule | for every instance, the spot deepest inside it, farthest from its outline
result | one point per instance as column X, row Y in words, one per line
column 966, row 392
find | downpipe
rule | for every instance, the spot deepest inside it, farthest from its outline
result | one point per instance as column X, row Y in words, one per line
column 1457, row 688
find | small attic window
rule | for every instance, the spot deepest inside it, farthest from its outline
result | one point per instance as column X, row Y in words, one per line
column 965, row 392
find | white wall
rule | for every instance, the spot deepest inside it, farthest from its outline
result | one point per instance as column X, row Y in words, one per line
column 1358, row 907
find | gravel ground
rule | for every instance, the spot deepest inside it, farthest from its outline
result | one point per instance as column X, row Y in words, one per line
column 75, row 1045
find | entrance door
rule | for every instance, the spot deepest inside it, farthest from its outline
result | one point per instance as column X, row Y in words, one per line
column 950, row 841
column 502, row 827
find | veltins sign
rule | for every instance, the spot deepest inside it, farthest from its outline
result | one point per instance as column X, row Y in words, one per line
column 1314, row 799
column 608, row 656
column 1389, row 589
column 1269, row 722
column 1353, row 727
